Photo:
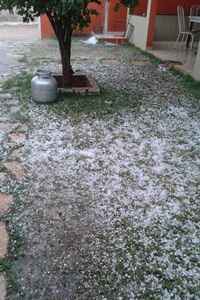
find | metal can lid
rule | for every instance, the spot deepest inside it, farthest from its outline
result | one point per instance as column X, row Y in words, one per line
column 43, row 73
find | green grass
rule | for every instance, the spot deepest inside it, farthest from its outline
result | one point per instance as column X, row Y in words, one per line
column 188, row 83
column 5, row 265
column 145, row 260
column 23, row 59
column 16, row 242
column 184, row 80
column 153, row 59
column 21, row 84
column 108, row 102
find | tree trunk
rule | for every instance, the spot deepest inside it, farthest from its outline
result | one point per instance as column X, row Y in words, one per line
column 65, row 52
column 64, row 36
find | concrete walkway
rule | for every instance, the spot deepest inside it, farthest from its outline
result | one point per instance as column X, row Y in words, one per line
column 13, row 39
column 17, row 32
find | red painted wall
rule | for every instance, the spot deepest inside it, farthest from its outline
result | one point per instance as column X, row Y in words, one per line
column 46, row 29
column 165, row 7
column 117, row 19
column 169, row 7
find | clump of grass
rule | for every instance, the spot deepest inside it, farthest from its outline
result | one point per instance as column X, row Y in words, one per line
column 5, row 265
column 23, row 59
column 16, row 243
column 21, row 86
column 107, row 102
column 188, row 83
column 153, row 59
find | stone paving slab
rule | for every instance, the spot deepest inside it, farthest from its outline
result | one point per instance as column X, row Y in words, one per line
column 6, row 127
column 17, row 137
column 19, row 33
column 15, row 169
column 5, row 202
column 16, row 154
column 3, row 240
column 3, row 177
column 2, row 288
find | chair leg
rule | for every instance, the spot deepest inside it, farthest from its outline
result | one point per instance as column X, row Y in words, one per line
column 189, row 40
column 192, row 41
column 177, row 40
column 183, row 37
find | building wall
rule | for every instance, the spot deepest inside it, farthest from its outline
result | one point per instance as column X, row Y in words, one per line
column 140, row 9
column 140, row 26
column 163, row 22
column 163, row 32
column 169, row 7
column 139, row 29
column 165, row 7
column 167, row 14
column 196, row 71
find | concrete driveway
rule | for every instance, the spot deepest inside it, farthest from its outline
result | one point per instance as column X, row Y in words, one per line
column 13, row 39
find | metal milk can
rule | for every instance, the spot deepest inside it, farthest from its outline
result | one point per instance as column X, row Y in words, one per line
column 44, row 87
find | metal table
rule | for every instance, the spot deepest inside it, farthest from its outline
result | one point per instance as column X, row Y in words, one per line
column 193, row 20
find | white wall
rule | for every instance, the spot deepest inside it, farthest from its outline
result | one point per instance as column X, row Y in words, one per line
column 139, row 24
column 166, row 28
column 141, row 27
column 196, row 71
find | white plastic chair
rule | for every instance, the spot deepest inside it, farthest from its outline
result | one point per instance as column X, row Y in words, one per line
column 195, row 10
column 183, row 27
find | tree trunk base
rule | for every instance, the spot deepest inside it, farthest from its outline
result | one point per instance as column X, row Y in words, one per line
column 75, row 81
column 79, row 84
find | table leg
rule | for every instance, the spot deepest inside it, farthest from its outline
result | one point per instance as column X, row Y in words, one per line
column 189, row 37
